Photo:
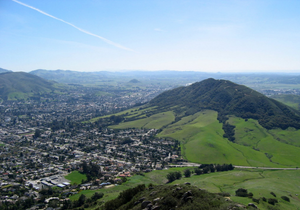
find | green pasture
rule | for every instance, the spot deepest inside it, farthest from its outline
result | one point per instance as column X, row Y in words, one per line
column 113, row 191
column 17, row 95
column 276, row 144
column 76, row 177
column 202, row 141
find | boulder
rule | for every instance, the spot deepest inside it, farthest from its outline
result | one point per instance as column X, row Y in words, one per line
column 145, row 204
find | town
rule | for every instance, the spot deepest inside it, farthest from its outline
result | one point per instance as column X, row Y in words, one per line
column 43, row 140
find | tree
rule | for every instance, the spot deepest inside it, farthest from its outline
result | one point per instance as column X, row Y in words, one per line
column 171, row 177
column 241, row 192
column 37, row 133
column 81, row 200
column 198, row 171
column 187, row 173
column 178, row 175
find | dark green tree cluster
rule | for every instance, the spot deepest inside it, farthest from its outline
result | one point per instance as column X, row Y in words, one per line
column 116, row 119
column 91, row 170
column 172, row 176
column 241, row 192
column 228, row 131
column 18, row 205
column 187, row 173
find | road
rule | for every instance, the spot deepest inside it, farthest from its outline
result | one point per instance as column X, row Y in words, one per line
column 187, row 164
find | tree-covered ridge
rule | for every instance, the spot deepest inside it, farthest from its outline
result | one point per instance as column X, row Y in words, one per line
column 229, row 98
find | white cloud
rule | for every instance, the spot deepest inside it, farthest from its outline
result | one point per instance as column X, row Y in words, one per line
column 80, row 29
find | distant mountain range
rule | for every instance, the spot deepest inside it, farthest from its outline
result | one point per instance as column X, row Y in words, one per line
column 20, row 85
column 4, row 70
column 178, row 77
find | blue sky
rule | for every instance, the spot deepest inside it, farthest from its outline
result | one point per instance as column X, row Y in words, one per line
column 114, row 35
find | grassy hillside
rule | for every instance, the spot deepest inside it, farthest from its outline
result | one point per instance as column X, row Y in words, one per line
column 202, row 139
column 20, row 85
column 201, row 117
column 259, row 182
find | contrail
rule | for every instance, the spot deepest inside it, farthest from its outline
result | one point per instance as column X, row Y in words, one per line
column 80, row 29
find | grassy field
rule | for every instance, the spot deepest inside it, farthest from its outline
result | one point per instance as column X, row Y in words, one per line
column 277, row 144
column 18, row 95
column 202, row 141
column 113, row 191
column 259, row 182
column 76, row 177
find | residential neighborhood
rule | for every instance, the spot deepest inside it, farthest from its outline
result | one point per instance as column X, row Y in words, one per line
column 42, row 142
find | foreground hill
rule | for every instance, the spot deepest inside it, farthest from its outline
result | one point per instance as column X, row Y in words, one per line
column 168, row 197
column 221, row 122
column 18, row 85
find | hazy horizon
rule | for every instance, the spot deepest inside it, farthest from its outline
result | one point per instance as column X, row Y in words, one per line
column 207, row 36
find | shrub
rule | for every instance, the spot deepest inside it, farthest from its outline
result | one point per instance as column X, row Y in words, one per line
column 255, row 200
column 272, row 201
column 241, row 192
column 250, row 195
column 187, row 173
column 273, row 194
column 198, row 171
column 285, row 198
column 264, row 199
column 224, row 194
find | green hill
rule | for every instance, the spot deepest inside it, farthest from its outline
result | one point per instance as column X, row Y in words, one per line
column 228, row 98
column 19, row 85
column 221, row 122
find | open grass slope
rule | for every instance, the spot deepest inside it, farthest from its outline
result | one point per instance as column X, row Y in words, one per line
column 20, row 85
column 203, row 142
column 280, row 146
